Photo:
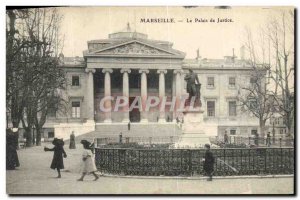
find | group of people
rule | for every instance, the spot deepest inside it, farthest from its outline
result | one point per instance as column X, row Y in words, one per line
column 87, row 166
column 256, row 139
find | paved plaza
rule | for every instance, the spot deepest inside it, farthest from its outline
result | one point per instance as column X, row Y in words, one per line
column 35, row 177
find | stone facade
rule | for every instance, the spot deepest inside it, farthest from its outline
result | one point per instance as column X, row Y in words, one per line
column 128, row 64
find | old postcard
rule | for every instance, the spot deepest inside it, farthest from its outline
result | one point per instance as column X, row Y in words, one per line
column 169, row 100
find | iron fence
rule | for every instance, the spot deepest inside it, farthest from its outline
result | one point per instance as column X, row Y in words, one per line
column 188, row 162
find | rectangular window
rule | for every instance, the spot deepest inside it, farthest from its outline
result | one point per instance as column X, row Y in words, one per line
column 76, row 109
column 232, row 108
column 211, row 108
column 231, row 81
column 75, row 80
column 253, row 132
column 232, row 132
column 211, row 82
column 278, row 121
column 252, row 80
column 51, row 134
column 52, row 112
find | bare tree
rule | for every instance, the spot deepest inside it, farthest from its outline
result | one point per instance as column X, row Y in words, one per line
column 254, row 96
column 281, row 35
column 271, row 56
column 32, row 70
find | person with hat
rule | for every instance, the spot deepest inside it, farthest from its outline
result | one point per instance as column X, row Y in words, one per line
column 59, row 153
column 209, row 161
column 88, row 163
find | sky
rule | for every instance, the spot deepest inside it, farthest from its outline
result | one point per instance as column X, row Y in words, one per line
column 214, row 40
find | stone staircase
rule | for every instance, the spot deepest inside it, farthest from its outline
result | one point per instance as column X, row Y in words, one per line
column 113, row 130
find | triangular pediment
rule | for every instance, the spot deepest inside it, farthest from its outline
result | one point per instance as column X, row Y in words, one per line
column 134, row 48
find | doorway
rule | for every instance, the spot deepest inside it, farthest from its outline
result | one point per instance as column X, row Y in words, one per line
column 134, row 115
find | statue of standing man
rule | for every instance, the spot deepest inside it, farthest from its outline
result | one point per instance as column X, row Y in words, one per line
column 193, row 86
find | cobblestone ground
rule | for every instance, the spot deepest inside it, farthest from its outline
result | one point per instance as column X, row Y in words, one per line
column 35, row 177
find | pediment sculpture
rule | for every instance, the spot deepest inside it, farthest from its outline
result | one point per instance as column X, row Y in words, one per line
column 135, row 48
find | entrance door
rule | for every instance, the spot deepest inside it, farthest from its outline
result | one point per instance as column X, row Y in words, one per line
column 134, row 115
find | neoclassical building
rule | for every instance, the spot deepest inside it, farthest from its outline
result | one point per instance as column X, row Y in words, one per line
column 129, row 64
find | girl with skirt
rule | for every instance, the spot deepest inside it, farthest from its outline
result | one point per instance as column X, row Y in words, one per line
column 88, row 164
column 59, row 153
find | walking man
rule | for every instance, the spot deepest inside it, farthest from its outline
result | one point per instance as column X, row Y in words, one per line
column 128, row 126
column 225, row 138
column 209, row 162
column 268, row 140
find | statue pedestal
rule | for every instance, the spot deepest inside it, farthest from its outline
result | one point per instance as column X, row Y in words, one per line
column 196, row 132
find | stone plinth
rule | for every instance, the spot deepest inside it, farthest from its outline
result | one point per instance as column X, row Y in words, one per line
column 195, row 131
column 193, row 122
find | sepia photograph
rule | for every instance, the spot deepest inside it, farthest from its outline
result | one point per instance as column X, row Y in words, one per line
column 150, row 100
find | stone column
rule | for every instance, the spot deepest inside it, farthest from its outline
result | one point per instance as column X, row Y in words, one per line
column 107, row 92
column 173, row 95
column 126, row 93
column 144, row 94
column 162, row 72
column 177, row 73
column 90, row 94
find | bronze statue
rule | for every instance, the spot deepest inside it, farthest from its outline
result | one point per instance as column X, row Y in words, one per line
column 193, row 86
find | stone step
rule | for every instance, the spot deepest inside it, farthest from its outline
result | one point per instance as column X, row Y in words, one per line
column 137, row 130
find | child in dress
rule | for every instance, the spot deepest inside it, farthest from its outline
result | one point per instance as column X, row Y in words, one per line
column 88, row 165
column 59, row 153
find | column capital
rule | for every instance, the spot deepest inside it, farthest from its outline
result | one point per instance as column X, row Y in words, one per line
column 87, row 70
column 143, row 71
column 107, row 70
column 161, row 71
column 176, row 71
column 125, row 70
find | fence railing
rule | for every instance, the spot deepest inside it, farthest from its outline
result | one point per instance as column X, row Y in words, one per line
column 188, row 162
column 256, row 141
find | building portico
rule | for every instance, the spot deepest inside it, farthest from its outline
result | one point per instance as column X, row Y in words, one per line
column 131, row 66
column 129, row 84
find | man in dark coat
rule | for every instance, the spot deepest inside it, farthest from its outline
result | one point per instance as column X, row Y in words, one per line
column 268, row 140
column 209, row 162
column 225, row 138
column 12, row 160
column 59, row 153
column 72, row 141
